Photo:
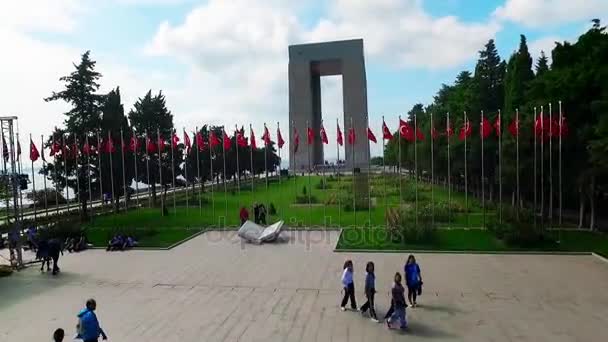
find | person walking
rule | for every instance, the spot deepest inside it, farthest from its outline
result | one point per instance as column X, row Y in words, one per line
column 413, row 279
column 349, row 286
column 54, row 248
column 370, row 291
column 89, row 329
column 243, row 215
column 398, row 296
column 256, row 213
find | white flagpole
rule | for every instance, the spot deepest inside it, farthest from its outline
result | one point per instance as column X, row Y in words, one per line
column 111, row 155
column 266, row 145
column 309, row 184
column 186, row 169
column 399, row 166
column 466, row 190
column 33, row 179
column 135, row 168
column 535, row 176
column 500, row 167
column 354, row 182
column 416, row 167
column 251, row 159
column 384, row 171
column 432, row 174
column 148, row 171
column 295, row 183
column 225, row 183
column 483, row 187
column 160, row 143
column 447, row 131
column 517, row 159
column 198, row 174
column 19, row 171
column 124, row 177
column 173, row 172
column 542, row 167
column 238, row 172
column 46, row 204
column 550, row 166
column 338, row 175
column 369, row 174
column 99, row 144
column 211, row 176
column 561, row 118
column 65, row 170
column 279, row 148
column 89, row 174
column 323, row 173
column 77, row 167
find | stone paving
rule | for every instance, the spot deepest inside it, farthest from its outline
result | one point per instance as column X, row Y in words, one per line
column 214, row 288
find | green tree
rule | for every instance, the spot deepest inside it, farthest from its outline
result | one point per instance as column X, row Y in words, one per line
column 542, row 65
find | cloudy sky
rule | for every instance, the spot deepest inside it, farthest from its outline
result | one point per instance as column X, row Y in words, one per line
column 225, row 62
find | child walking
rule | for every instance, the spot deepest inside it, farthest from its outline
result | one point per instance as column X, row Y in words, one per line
column 398, row 294
column 370, row 291
column 349, row 286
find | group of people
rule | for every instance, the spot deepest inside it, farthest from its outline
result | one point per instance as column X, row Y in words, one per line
column 88, row 328
column 121, row 242
column 76, row 244
column 396, row 313
column 259, row 214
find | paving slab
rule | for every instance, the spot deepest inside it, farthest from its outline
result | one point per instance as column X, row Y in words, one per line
column 217, row 288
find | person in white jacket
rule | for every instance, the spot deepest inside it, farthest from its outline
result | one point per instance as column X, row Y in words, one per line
column 349, row 286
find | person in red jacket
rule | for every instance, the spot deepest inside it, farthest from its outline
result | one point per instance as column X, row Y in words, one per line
column 244, row 215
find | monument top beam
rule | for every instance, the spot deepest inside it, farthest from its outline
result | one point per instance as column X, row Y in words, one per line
column 337, row 50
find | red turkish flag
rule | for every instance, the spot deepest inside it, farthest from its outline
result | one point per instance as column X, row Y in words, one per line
column 296, row 140
column 213, row 140
column 465, row 130
column 252, row 139
column 110, row 145
column 86, row 148
column 419, row 134
column 541, row 126
column 351, row 136
column 280, row 140
column 174, row 140
column 200, row 142
column 240, row 139
column 386, row 133
column 514, row 127
column 227, row 141
column 449, row 131
column 55, row 147
column 266, row 136
column 340, row 138
column 134, row 143
column 187, row 142
column 406, row 131
column 485, row 129
column 75, row 151
column 311, row 136
column 161, row 143
column 34, row 154
column 371, row 136
column 323, row 135
column 150, row 145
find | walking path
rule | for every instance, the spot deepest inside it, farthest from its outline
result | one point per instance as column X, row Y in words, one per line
column 214, row 288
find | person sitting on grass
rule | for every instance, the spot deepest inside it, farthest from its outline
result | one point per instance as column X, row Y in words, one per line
column 117, row 243
column 130, row 242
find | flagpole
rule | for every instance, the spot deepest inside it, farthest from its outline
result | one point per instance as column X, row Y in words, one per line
column 99, row 144
column 517, row 159
column 266, row 163
column 19, row 171
column 225, row 183
column 447, row 130
column 561, row 118
column 354, row 183
column 466, row 192
column 432, row 175
column 535, row 176
column 186, row 169
column 399, row 166
column 159, row 143
column 211, row 176
column 148, row 171
column 173, row 172
column 124, row 177
column 198, row 174
column 338, row 175
column 76, row 156
column 542, row 167
column 251, row 158
column 65, row 170
column 46, row 206
column 89, row 173
column 323, row 173
column 135, row 168
column 279, row 130
column 238, row 172
column 111, row 166
column 550, row 165
column 500, row 167
column 33, row 179
column 309, row 186
column 483, row 187
column 384, row 171
column 416, row 167
column 369, row 184
column 295, row 183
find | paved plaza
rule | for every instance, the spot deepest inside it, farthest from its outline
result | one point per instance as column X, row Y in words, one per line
column 214, row 288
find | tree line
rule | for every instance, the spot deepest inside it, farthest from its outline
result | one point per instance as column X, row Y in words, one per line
column 576, row 76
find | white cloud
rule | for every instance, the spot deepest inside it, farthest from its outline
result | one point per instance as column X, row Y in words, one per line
column 40, row 15
column 538, row 13
column 545, row 44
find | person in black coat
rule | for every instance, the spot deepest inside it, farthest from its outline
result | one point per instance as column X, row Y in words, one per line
column 54, row 250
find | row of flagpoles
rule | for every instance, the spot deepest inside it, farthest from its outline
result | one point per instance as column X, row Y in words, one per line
column 544, row 129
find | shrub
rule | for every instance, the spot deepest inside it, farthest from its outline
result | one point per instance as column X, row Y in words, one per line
column 518, row 229
column 304, row 199
column 403, row 228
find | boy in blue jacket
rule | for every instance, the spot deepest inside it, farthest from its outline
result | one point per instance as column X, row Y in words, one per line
column 88, row 325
